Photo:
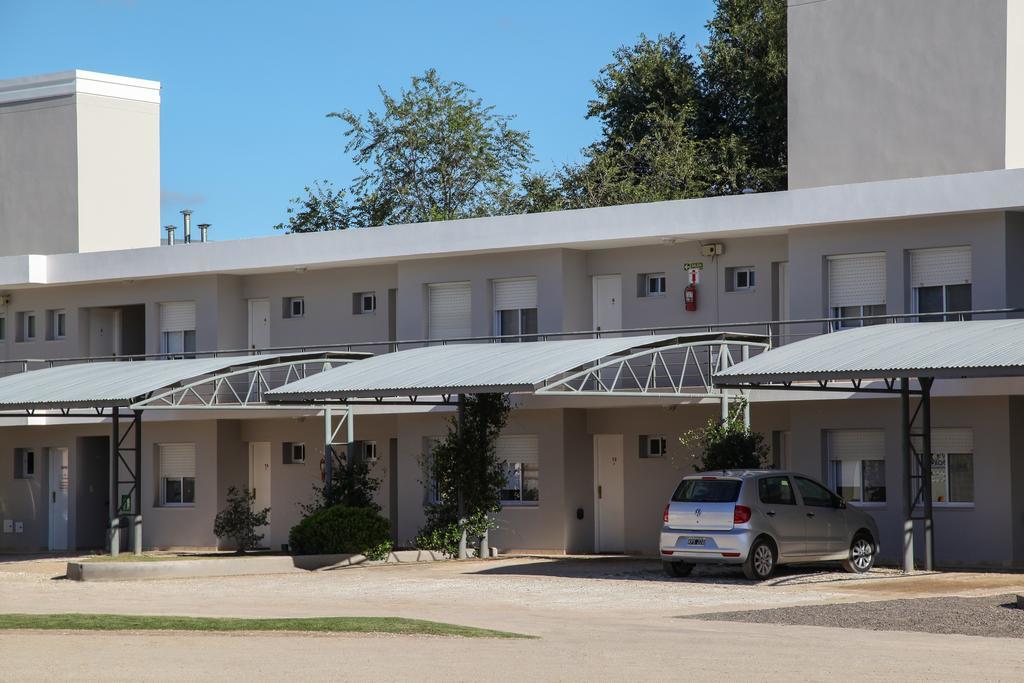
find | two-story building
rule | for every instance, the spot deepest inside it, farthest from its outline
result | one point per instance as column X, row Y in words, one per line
column 905, row 200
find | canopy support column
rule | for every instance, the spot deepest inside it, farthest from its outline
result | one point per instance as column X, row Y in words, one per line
column 129, row 504
column 907, row 472
column 331, row 444
column 917, row 468
column 926, row 470
column 463, row 549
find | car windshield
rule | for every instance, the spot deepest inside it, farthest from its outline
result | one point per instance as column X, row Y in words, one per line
column 707, row 491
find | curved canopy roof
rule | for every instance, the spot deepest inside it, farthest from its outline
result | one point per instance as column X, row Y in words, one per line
column 476, row 368
column 977, row 348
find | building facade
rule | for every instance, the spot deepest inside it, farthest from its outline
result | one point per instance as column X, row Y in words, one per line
column 920, row 239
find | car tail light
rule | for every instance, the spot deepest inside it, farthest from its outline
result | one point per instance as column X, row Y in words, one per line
column 665, row 516
column 741, row 515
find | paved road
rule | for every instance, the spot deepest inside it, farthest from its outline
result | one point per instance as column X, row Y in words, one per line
column 613, row 620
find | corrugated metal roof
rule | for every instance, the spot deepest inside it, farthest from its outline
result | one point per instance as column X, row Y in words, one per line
column 978, row 348
column 471, row 368
column 118, row 383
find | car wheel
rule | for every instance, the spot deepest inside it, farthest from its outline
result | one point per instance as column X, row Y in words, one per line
column 862, row 555
column 677, row 570
column 760, row 561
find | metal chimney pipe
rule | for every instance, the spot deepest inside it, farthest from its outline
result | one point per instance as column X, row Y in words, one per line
column 187, row 213
column 170, row 234
column 203, row 228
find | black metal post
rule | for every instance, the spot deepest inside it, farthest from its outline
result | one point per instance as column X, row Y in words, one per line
column 138, row 463
column 115, row 439
column 907, row 472
column 926, row 471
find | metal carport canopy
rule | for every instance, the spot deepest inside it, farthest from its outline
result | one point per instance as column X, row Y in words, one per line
column 104, row 384
column 941, row 350
column 506, row 368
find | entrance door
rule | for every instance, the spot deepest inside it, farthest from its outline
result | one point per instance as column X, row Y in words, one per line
column 259, row 483
column 59, row 485
column 609, row 494
column 607, row 302
column 259, row 323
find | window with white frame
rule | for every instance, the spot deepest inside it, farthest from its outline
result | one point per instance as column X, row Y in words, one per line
column 742, row 278
column 293, row 453
column 515, row 307
column 651, row 284
column 952, row 466
column 520, row 453
column 856, row 464
column 56, row 324
column 294, row 307
column 364, row 303
column 26, row 326
column 177, row 474
column 3, row 328
column 653, row 446
column 368, row 452
column 178, row 327
column 856, row 288
column 940, row 282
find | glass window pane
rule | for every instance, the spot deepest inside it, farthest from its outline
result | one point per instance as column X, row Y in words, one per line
column 814, row 494
column 929, row 300
column 874, row 481
column 876, row 309
column 846, row 480
column 172, row 490
column 961, row 478
column 188, row 494
column 189, row 341
column 750, row 278
column 508, row 322
column 528, row 321
column 741, row 279
column 958, row 298
column 776, row 491
column 531, row 482
column 513, row 482
column 940, row 492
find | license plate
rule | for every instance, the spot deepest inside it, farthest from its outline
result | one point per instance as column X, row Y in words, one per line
column 695, row 541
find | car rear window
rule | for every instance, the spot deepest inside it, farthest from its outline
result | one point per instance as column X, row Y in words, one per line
column 707, row 491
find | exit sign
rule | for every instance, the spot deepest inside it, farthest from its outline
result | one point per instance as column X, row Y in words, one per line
column 697, row 265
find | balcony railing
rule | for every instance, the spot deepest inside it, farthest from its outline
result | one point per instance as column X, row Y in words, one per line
column 778, row 331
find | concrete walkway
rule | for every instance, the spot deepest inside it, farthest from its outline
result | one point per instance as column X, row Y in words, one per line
column 597, row 620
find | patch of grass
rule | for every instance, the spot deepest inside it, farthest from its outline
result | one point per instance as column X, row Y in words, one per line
column 124, row 622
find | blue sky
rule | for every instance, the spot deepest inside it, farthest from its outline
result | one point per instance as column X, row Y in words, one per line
column 246, row 85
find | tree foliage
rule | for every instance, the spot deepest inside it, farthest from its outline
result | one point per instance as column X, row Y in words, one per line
column 352, row 486
column 727, row 444
column 465, row 473
column 238, row 521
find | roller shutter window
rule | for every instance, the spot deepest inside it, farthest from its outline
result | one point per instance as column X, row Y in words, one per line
column 448, row 310
column 177, row 468
column 521, row 455
column 856, row 287
column 515, row 307
column 178, row 327
column 856, row 464
column 952, row 465
column 940, row 281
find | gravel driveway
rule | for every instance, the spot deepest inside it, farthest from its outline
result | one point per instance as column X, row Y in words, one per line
column 993, row 616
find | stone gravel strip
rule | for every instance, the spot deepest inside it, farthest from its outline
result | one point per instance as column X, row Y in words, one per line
column 993, row 616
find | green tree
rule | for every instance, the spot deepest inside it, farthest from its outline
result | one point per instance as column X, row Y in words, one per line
column 239, row 520
column 727, row 444
column 352, row 486
column 323, row 208
column 465, row 473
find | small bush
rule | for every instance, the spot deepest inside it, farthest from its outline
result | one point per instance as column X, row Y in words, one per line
column 444, row 537
column 238, row 520
column 341, row 529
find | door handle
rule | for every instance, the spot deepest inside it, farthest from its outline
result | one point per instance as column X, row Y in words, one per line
column 810, row 514
column 53, row 495
column 770, row 513
column 598, row 491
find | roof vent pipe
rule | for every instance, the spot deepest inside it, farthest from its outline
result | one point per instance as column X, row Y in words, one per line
column 170, row 234
column 203, row 228
column 187, row 213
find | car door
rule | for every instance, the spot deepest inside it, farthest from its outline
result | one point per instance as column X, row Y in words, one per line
column 826, row 523
column 785, row 518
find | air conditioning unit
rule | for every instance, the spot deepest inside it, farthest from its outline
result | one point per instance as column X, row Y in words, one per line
column 715, row 249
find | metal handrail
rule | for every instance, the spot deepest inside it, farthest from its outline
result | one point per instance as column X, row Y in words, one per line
column 771, row 329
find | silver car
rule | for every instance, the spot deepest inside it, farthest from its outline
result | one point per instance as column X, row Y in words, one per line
column 761, row 519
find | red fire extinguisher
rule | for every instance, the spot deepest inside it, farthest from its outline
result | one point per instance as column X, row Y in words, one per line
column 690, row 297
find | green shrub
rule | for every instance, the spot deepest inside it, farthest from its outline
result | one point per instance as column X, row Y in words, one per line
column 238, row 521
column 341, row 529
column 444, row 537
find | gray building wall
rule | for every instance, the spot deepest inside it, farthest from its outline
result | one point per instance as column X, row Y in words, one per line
column 882, row 89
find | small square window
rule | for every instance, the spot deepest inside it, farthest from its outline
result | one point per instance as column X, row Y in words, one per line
column 370, row 452
column 652, row 284
column 294, row 307
column 364, row 303
column 26, row 326
column 24, row 463
column 743, row 278
column 653, row 446
column 56, row 324
column 3, row 328
column 294, row 453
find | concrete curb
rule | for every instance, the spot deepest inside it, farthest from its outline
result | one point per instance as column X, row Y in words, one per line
column 236, row 566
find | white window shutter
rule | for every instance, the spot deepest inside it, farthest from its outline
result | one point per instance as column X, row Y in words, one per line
column 949, row 440
column 856, row 444
column 857, row 280
column 515, row 293
column 521, row 448
column 177, row 460
column 177, row 316
column 448, row 310
column 946, row 266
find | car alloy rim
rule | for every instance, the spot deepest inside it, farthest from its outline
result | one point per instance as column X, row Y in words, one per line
column 862, row 554
column 763, row 560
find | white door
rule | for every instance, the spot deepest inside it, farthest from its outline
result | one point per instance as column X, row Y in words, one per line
column 259, row 323
column 259, row 483
column 609, row 493
column 783, row 303
column 59, row 484
column 607, row 302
